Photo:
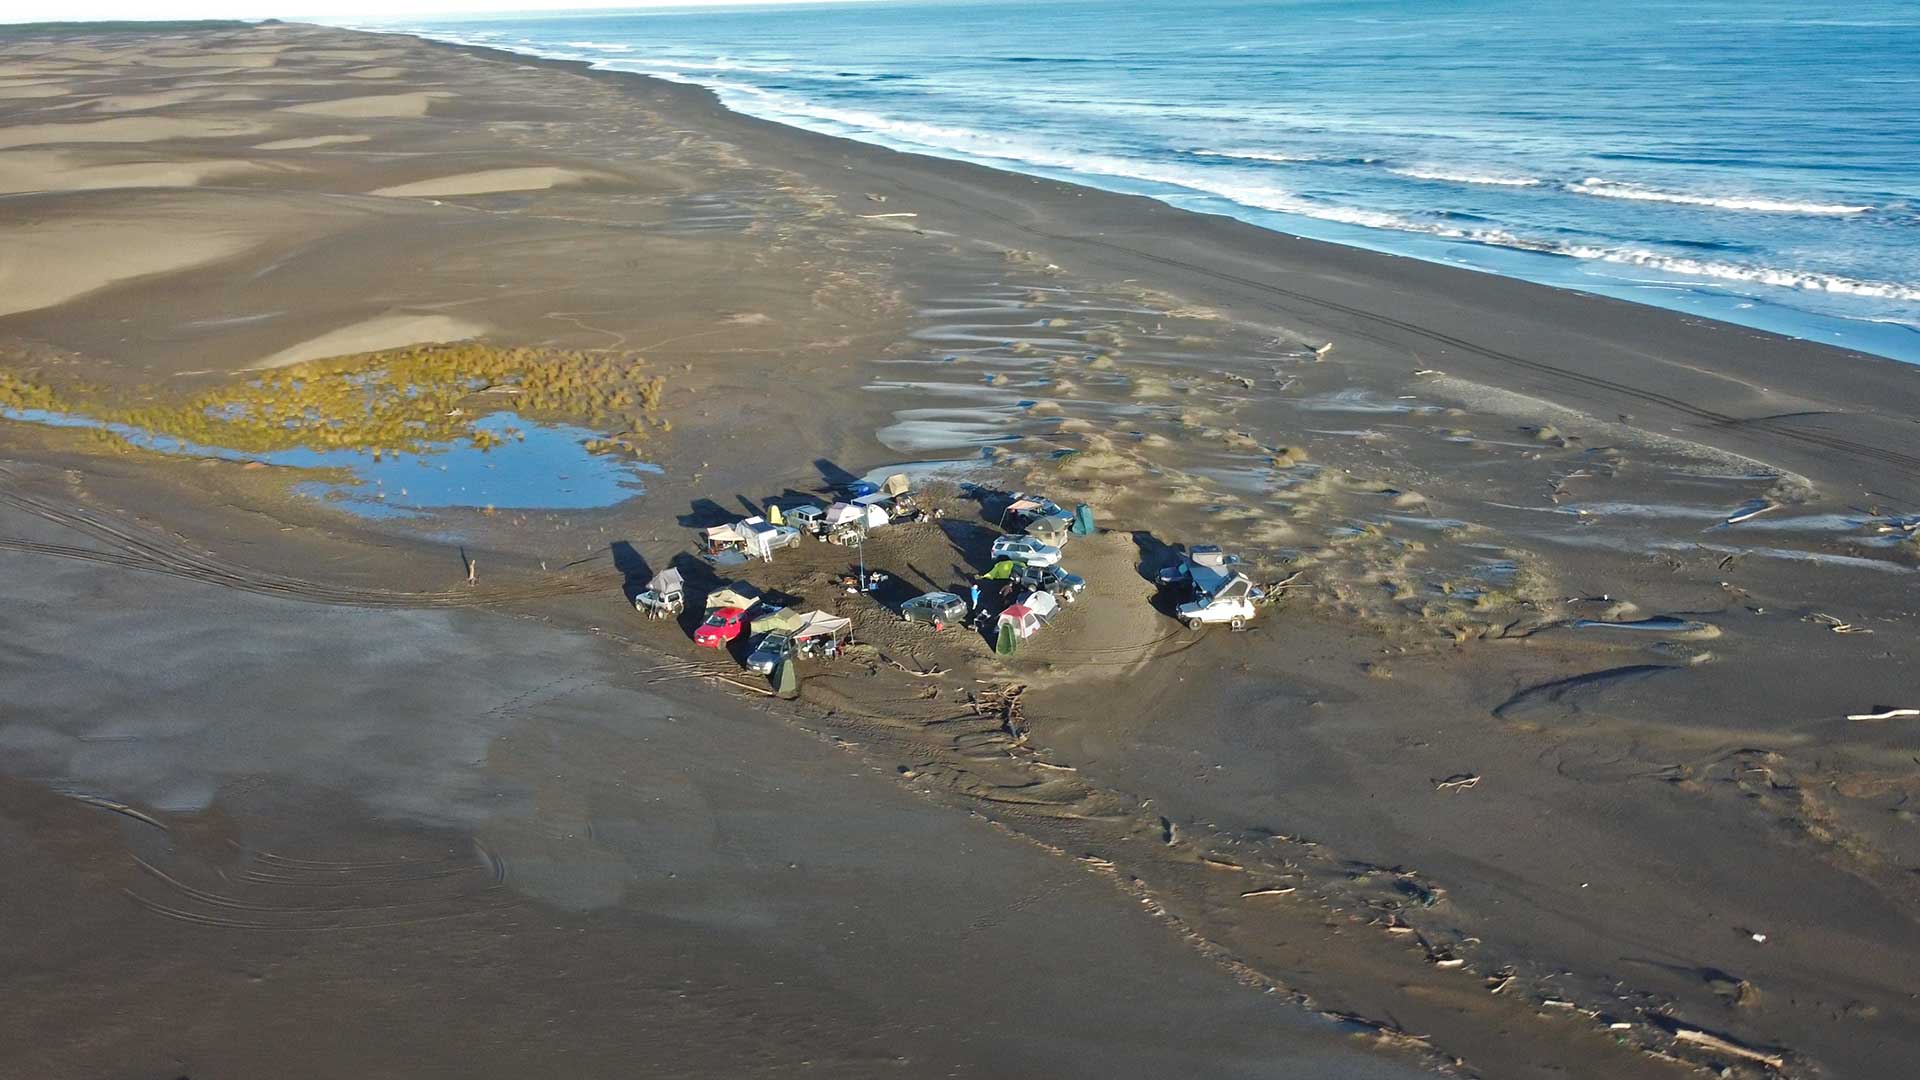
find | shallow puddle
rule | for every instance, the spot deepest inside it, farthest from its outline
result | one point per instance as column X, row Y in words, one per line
column 534, row 466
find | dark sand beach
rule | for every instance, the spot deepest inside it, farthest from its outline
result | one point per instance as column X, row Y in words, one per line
column 1542, row 766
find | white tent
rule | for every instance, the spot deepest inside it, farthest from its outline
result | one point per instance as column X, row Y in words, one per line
column 820, row 624
column 850, row 514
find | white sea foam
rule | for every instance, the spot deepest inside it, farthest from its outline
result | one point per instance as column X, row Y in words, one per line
column 1453, row 177
column 1616, row 189
column 601, row 45
column 1254, row 155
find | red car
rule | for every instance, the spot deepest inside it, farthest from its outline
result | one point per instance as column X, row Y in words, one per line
column 722, row 625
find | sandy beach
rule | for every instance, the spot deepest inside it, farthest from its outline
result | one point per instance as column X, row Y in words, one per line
column 1574, row 746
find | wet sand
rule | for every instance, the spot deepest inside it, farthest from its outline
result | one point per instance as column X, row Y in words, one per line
column 1541, row 765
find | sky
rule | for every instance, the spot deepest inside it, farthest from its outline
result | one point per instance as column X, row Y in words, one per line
column 69, row 10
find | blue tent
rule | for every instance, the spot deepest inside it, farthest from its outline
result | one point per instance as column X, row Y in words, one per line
column 1083, row 520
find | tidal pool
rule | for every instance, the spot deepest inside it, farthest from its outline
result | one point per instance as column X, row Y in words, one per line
column 531, row 466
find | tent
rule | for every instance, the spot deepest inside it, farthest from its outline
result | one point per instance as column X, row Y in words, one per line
column 734, row 594
column 786, row 680
column 1002, row 571
column 819, row 624
column 778, row 619
column 773, row 515
column 896, row 485
column 871, row 516
column 1049, row 530
column 667, row 581
column 724, row 534
column 1008, row 641
column 1083, row 520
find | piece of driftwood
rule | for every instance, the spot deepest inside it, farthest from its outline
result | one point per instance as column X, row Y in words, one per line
column 1276, row 891
column 1720, row 1044
column 1884, row 714
column 1457, row 782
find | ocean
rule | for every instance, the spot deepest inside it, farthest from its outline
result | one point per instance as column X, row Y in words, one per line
column 1754, row 161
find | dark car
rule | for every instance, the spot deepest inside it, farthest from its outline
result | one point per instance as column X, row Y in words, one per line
column 774, row 648
column 939, row 609
column 1051, row 579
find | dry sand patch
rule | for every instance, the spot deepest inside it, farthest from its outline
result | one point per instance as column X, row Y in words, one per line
column 530, row 178
column 250, row 60
column 142, row 102
column 60, row 170
column 128, row 129
column 24, row 91
column 374, row 106
column 377, row 73
column 311, row 141
column 390, row 331
column 61, row 258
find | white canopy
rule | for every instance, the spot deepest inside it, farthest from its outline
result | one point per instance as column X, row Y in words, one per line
column 820, row 624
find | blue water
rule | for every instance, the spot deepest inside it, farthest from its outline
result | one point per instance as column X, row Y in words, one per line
column 535, row 466
column 1756, row 161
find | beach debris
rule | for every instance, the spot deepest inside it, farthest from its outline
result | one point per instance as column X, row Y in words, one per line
column 1322, row 352
column 1750, row 510
column 1001, row 703
column 1429, row 371
column 1882, row 712
column 1458, row 782
column 1836, row 625
column 1277, row 890
column 1721, row 1044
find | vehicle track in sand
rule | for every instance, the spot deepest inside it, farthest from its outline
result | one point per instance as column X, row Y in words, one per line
column 135, row 547
column 1770, row 424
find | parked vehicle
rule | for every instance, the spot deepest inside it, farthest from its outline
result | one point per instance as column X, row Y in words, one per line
column 1022, row 509
column 663, row 597
column 1202, row 558
column 1049, row 579
column 754, row 538
column 938, row 609
column 771, row 652
column 1234, row 602
column 1025, row 549
column 809, row 518
column 722, row 625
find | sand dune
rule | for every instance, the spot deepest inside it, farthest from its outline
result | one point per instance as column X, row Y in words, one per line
column 22, row 91
column 56, row 260
column 389, row 331
column 263, row 58
column 533, row 178
column 128, row 129
column 142, row 102
column 377, row 105
column 58, row 170
column 378, row 73
column 311, row 141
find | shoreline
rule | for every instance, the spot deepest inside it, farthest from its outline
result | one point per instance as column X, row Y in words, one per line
column 1893, row 340
column 1732, row 375
column 1576, row 547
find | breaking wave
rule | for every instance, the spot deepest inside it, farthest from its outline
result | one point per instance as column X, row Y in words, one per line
column 1449, row 177
column 1616, row 189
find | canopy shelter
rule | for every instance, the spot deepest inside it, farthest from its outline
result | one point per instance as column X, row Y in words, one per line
column 778, row 619
column 819, row 624
column 733, row 594
column 719, row 535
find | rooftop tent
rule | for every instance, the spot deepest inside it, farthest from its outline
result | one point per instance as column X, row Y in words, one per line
column 1002, row 571
column 723, row 534
column 897, row 484
column 815, row 624
column 1048, row 530
column 1236, row 588
column 877, row 498
column 778, row 619
column 736, row 594
column 1083, row 520
column 773, row 515
column 857, row 513
column 667, row 581
column 842, row 513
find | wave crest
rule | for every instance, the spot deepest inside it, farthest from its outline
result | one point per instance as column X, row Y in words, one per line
column 1450, row 177
column 1618, row 189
